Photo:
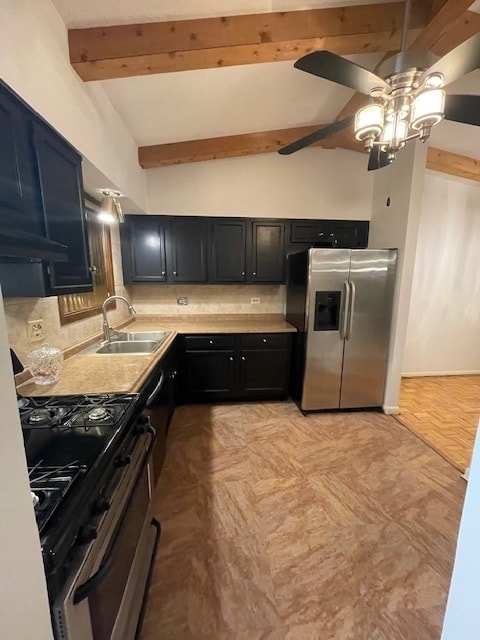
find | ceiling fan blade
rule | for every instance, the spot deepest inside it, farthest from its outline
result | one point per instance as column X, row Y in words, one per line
column 377, row 159
column 328, row 65
column 458, row 62
column 316, row 136
column 464, row 109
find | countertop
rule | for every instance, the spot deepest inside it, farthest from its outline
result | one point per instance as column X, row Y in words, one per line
column 95, row 373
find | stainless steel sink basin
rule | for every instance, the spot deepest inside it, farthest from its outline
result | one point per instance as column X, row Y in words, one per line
column 130, row 346
column 130, row 342
column 135, row 336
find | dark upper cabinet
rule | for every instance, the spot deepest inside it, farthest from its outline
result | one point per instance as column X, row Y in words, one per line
column 187, row 249
column 225, row 250
column 19, row 201
column 143, row 249
column 228, row 254
column 164, row 249
column 61, row 190
column 267, row 247
column 345, row 234
column 244, row 250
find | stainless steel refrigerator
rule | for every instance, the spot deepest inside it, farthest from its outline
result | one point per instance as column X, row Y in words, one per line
column 340, row 301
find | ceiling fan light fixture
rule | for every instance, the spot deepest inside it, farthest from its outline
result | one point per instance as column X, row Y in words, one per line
column 427, row 108
column 394, row 135
column 369, row 122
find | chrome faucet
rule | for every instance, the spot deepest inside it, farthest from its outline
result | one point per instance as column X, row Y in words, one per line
column 107, row 330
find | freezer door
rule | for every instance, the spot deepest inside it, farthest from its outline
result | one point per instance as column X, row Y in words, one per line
column 372, row 281
column 325, row 319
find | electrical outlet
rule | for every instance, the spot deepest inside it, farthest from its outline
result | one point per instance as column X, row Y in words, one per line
column 182, row 301
column 35, row 330
column 254, row 300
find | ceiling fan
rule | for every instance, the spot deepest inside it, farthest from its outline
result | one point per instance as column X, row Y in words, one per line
column 406, row 100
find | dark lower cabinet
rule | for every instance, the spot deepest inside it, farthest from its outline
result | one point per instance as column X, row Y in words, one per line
column 235, row 366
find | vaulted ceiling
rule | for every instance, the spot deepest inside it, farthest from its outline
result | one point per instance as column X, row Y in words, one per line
column 194, row 82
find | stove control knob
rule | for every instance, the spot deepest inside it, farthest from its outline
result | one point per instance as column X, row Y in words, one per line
column 86, row 534
column 100, row 506
column 142, row 426
column 123, row 461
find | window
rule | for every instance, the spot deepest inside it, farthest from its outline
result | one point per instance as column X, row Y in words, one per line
column 74, row 306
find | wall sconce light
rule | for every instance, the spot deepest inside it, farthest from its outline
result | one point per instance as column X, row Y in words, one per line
column 110, row 210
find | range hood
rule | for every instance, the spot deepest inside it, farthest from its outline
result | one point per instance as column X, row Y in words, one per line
column 16, row 243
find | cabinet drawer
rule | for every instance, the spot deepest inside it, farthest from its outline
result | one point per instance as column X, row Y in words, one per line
column 265, row 340
column 209, row 342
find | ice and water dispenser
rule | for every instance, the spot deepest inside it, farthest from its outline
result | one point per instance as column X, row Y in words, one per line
column 327, row 310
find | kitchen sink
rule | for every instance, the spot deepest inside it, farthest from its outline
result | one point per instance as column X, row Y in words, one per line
column 130, row 346
column 129, row 342
column 135, row 336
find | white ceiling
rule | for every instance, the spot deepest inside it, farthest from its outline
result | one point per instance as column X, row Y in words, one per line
column 239, row 99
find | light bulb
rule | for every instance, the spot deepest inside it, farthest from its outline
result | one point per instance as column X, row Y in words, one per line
column 369, row 122
column 427, row 108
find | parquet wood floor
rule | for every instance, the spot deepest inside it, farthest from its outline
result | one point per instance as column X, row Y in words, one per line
column 277, row 526
column 444, row 411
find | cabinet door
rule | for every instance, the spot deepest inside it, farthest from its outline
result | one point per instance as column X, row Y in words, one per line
column 19, row 202
column 228, row 250
column 209, row 374
column 187, row 242
column 61, row 187
column 263, row 372
column 267, row 255
column 143, row 249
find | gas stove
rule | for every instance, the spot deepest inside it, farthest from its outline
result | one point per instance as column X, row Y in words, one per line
column 73, row 445
column 74, row 411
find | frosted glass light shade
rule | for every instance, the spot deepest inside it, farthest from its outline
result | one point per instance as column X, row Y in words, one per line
column 395, row 132
column 427, row 108
column 369, row 121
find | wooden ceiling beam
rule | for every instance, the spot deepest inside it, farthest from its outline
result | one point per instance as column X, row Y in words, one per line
column 162, row 155
column 127, row 50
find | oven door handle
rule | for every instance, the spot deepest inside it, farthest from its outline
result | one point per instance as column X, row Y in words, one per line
column 156, row 390
column 83, row 591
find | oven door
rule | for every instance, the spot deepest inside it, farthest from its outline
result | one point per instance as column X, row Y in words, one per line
column 103, row 597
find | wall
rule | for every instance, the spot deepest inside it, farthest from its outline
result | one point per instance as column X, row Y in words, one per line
column 314, row 183
column 396, row 209
column 215, row 298
column 462, row 617
column 18, row 311
column 24, row 609
column 444, row 325
column 35, row 64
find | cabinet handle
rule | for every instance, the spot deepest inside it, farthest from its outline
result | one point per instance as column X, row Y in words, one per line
column 92, row 269
column 210, row 341
column 254, row 273
column 231, row 358
column 163, row 273
column 243, row 358
column 175, row 273
column 243, row 273
column 264, row 339
column 321, row 234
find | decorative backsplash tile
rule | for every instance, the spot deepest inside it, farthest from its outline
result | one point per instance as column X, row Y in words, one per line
column 211, row 298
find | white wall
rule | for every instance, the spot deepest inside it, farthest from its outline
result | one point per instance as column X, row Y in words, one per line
column 443, row 334
column 314, row 183
column 24, row 611
column 34, row 62
column 462, row 617
column 396, row 207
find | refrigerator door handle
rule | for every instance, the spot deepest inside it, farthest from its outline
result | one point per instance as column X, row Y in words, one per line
column 345, row 310
column 351, row 310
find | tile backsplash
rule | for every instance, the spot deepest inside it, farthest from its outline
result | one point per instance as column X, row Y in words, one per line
column 211, row 298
